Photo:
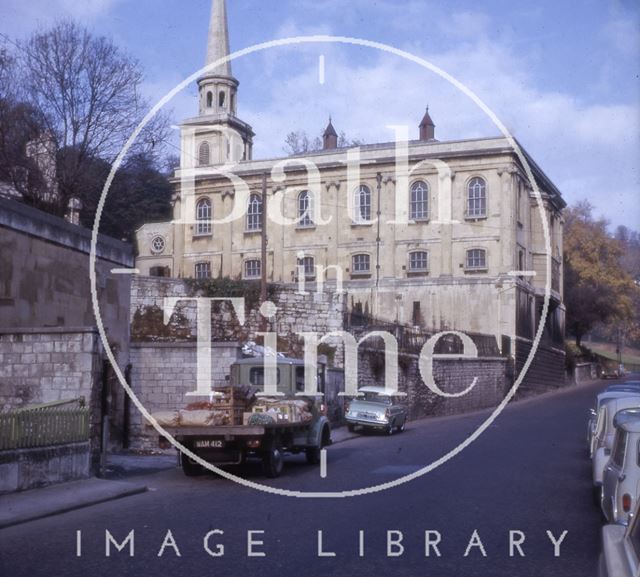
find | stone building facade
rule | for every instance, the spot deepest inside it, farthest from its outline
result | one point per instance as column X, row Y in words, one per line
column 437, row 235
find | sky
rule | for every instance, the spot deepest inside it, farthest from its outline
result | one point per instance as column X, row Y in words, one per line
column 563, row 76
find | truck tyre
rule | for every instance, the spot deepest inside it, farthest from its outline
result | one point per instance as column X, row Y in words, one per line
column 190, row 468
column 272, row 463
column 313, row 453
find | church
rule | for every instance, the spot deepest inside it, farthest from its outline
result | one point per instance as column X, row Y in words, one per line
column 451, row 240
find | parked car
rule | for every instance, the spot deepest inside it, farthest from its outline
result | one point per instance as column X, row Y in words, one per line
column 609, row 393
column 621, row 481
column 620, row 553
column 605, row 433
column 379, row 408
column 610, row 371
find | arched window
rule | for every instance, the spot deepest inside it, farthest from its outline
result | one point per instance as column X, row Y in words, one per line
column 419, row 205
column 419, row 261
column 305, row 209
column 254, row 212
column 362, row 204
column 204, row 154
column 476, row 259
column 209, row 99
column 221, row 99
column 203, row 216
column 477, row 198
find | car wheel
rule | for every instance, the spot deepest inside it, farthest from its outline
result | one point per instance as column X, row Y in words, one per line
column 401, row 427
column 351, row 428
column 273, row 463
column 597, row 496
column 390, row 428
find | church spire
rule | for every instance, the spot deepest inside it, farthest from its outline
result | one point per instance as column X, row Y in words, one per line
column 218, row 42
column 218, row 87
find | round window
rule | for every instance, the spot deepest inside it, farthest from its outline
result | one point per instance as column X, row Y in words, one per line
column 157, row 245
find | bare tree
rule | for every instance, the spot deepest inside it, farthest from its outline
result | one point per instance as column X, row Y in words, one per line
column 299, row 142
column 88, row 92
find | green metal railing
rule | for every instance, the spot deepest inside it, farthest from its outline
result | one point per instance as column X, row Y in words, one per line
column 44, row 425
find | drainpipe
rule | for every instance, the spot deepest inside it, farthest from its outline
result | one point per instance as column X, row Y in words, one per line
column 378, row 212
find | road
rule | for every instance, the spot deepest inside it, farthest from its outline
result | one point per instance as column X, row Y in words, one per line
column 528, row 472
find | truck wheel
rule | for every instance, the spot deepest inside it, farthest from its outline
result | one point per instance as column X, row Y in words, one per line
column 272, row 463
column 190, row 468
column 313, row 455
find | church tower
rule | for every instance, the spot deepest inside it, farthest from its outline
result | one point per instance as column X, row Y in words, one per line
column 216, row 136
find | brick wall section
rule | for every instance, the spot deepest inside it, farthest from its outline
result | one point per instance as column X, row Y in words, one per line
column 44, row 365
column 451, row 375
column 162, row 375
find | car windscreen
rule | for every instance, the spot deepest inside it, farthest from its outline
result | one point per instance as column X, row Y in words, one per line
column 376, row 398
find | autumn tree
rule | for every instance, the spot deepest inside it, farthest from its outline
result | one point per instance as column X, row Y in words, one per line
column 88, row 93
column 597, row 288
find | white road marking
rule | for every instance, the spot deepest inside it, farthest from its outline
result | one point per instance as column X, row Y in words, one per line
column 125, row 271
column 321, row 74
column 323, row 463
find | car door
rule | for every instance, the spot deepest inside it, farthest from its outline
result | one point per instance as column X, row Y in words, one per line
column 612, row 473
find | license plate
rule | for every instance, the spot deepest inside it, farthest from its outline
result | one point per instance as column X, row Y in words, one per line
column 209, row 444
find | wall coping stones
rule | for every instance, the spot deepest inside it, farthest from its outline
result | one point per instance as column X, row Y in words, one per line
column 39, row 224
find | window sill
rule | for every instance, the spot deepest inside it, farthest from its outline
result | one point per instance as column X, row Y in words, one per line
column 203, row 235
column 305, row 227
column 475, row 218
column 412, row 273
column 359, row 224
column 476, row 270
column 252, row 232
column 419, row 220
column 251, row 277
column 360, row 275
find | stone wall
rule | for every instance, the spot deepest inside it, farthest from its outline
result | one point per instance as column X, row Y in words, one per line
column 44, row 279
column 297, row 313
column 23, row 469
column 547, row 369
column 56, row 364
column 163, row 373
column 451, row 375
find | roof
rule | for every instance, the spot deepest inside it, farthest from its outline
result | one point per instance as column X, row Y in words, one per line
column 628, row 420
column 330, row 130
column 426, row 120
column 626, row 416
column 380, row 391
column 280, row 360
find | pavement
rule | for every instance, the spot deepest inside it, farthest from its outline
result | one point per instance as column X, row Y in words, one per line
column 27, row 506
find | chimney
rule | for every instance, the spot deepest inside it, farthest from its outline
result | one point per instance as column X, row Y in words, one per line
column 330, row 137
column 427, row 128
